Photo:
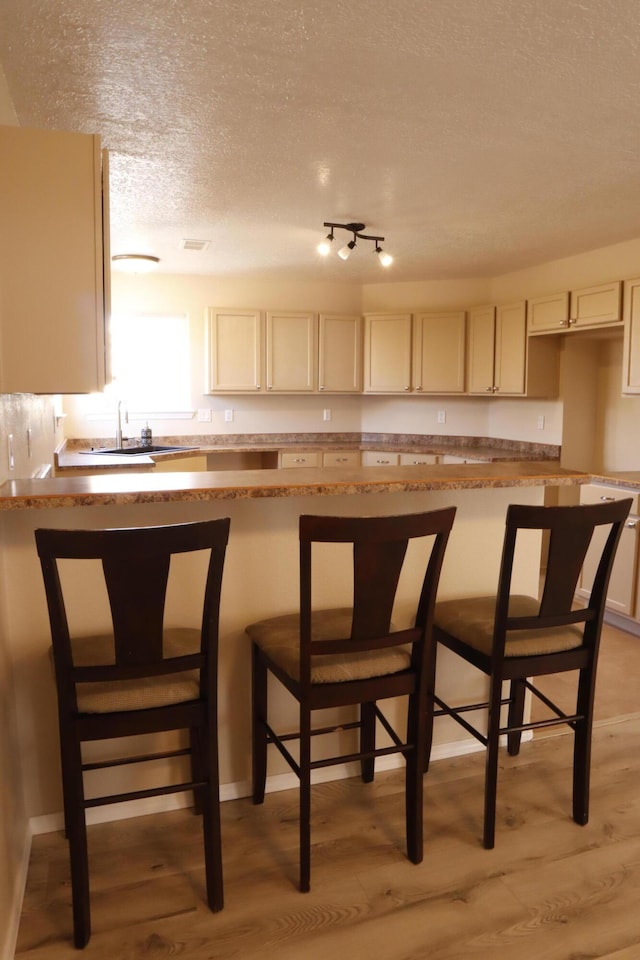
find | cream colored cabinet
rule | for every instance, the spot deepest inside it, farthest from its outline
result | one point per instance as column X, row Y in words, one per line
column 621, row 595
column 497, row 349
column 503, row 361
column 548, row 314
column 585, row 309
column 631, row 348
column 234, row 351
column 439, row 341
column 341, row 458
column 387, row 353
column 375, row 458
column 301, row 458
column 596, row 306
column 339, row 353
column 54, row 269
column 417, row 459
column 251, row 351
column 290, row 352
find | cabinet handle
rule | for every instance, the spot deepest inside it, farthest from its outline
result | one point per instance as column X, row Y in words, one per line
column 564, row 323
column 383, row 461
column 495, row 389
column 608, row 499
column 632, row 524
column 321, row 387
column 300, row 460
column 341, row 459
column 407, row 388
column 488, row 389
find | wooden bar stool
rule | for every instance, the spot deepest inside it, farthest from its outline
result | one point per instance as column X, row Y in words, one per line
column 140, row 678
column 513, row 637
column 352, row 656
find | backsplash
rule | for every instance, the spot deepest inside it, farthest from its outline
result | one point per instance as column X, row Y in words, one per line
column 30, row 421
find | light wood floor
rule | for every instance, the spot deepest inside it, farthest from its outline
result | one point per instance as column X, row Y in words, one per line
column 549, row 891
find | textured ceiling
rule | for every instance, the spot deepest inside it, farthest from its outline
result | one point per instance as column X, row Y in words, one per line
column 477, row 136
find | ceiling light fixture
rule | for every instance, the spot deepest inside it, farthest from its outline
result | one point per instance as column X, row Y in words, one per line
column 136, row 262
column 324, row 247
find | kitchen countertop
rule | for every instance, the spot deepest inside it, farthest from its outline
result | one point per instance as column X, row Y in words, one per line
column 254, row 484
column 69, row 456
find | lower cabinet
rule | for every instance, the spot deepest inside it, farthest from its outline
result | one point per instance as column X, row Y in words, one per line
column 341, row 458
column 300, row 458
column 415, row 459
column 374, row 458
column 622, row 596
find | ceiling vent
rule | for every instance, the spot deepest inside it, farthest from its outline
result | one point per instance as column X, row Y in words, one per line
column 194, row 244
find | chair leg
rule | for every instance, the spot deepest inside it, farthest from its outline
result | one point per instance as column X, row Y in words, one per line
column 414, row 780
column 76, row 830
column 516, row 716
column 491, row 764
column 305, row 800
column 211, row 825
column 197, row 767
column 431, row 655
column 367, row 740
column 258, row 719
column 582, row 747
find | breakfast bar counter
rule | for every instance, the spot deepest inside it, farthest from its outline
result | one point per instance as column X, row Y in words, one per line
column 260, row 580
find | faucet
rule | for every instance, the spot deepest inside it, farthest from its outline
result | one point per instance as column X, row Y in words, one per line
column 119, row 437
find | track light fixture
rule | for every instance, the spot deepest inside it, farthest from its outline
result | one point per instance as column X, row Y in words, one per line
column 325, row 246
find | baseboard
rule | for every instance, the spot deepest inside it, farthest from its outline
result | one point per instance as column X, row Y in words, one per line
column 10, row 939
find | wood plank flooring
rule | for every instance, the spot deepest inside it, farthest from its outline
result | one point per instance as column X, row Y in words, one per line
column 550, row 889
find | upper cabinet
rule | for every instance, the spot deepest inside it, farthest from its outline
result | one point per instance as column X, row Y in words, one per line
column 585, row 309
column 387, row 353
column 439, row 352
column 290, row 352
column 339, row 353
column 497, row 349
column 500, row 361
column 255, row 351
column 631, row 347
column 423, row 353
column 54, row 267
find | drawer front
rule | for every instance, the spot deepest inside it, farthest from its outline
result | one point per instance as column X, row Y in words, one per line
column 372, row 458
column 599, row 493
column 341, row 458
column 299, row 459
column 414, row 459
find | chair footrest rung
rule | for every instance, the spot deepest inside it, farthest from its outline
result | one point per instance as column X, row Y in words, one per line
column 142, row 794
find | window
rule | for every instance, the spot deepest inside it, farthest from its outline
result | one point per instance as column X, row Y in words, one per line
column 150, row 362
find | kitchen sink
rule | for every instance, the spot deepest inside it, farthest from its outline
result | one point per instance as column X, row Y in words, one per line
column 135, row 451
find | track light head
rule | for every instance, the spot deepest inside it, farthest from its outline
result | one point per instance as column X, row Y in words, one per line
column 324, row 247
column 345, row 252
column 385, row 258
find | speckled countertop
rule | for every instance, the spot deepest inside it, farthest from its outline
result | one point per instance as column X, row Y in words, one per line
column 125, row 488
column 70, row 458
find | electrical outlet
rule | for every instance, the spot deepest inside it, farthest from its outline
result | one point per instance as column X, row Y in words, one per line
column 228, row 416
column 326, row 414
column 442, row 416
column 541, row 422
column 204, row 415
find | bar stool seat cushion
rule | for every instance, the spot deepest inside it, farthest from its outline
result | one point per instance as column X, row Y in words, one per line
column 143, row 693
column 471, row 620
column 279, row 638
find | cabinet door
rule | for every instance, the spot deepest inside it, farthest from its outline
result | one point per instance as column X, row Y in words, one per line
column 548, row 314
column 341, row 458
column 439, row 352
column 387, row 353
column 52, row 317
column 631, row 349
column 417, row 459
column 596, row 306
column 372, row 458
column 510, row 348
column 291, row 352
column 622, row 585
column 301, row 458
column 480, row 350
column 339, row 354
column 234, row 350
